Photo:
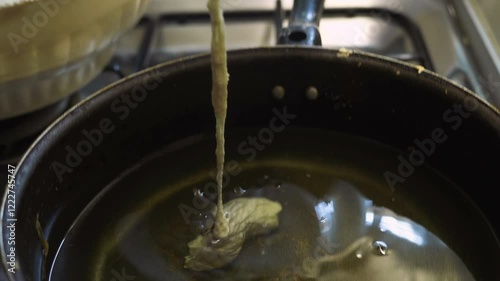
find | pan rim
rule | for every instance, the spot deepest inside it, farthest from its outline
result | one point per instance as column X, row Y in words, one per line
column 189, row 62
column 243, row 52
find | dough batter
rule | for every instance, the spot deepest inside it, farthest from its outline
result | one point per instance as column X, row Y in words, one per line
column 243, row 217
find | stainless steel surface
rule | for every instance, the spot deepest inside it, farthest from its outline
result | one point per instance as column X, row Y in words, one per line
column 377, row 33
column 474, row 20
column 488, row 10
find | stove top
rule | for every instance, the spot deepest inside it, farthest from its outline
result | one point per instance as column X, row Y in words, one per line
column 445, row 36
column 455, row 38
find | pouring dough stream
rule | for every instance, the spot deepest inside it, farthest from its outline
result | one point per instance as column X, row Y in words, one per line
column 243, row 217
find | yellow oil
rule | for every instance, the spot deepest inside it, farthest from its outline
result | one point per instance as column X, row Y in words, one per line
column 340, row 220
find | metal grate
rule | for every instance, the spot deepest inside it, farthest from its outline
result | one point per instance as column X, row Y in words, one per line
column 420, row 56
column 142, row 55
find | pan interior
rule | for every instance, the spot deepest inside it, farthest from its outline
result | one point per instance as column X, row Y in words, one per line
column 340, row 219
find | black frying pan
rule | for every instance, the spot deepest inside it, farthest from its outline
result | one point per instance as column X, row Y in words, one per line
column 359, row 94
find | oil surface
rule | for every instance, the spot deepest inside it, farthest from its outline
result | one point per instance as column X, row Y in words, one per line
column 340, row 220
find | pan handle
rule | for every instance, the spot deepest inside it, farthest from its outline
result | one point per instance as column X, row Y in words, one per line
column 303, row 24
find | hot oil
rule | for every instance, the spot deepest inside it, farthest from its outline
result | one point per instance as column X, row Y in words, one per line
column 340, row 220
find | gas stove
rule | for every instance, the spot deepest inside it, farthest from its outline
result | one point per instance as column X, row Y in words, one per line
column 455, row 38
column 450, row 37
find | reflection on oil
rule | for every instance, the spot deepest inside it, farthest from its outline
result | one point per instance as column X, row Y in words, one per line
column 340, row 236
column 329, row 229
column 377, row 244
